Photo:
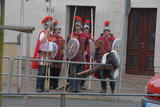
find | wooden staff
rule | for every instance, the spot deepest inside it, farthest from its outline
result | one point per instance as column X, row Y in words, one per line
column 47, row 80
column 95, row 69
column 89, row 85
column 68, row 65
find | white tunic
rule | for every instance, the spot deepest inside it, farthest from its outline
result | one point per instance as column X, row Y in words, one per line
column 47, row 46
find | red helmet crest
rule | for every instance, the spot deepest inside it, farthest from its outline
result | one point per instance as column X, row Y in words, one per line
column 47, row 18
column 77, row 18
column 107, row 22
column 87, row 21
column 55, row 22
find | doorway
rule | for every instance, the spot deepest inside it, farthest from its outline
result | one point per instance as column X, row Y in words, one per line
column 84, row 12
column 141, row 41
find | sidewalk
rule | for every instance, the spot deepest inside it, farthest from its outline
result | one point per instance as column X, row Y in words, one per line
column 130, row 84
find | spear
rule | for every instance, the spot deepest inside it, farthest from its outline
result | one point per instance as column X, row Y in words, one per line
column 68, row 65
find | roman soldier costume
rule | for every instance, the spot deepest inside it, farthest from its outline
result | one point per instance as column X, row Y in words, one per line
column 87, row 35
column 81, row 39
column 103, row 46
column 43, row 50
column 56, row 67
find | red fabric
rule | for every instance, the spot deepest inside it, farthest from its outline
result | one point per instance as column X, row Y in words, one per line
column 58, row 56
column 46, row 19
column 88, row 36
column 97, row 75
column 106, row 45
column 106, row 48
column 111, row 38
column 55, row 22
column 78, row 19
column 87, row 21
column 35, row 56
column 107, row 22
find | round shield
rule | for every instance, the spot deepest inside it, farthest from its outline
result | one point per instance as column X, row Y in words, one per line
column 105, row 61
column 117, row 45
column 55, row 49
column 72, row 48
column 92, row 48
column 111, row 57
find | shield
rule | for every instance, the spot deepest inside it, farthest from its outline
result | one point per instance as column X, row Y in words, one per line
column 117, row 45
column 112, row 58
column 55, row 50
column 92, row 48
column 72, row 48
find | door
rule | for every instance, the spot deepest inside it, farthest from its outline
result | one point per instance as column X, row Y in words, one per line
column 84, row 12
column 141, row 41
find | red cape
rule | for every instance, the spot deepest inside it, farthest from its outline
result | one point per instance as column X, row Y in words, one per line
column 36, row 51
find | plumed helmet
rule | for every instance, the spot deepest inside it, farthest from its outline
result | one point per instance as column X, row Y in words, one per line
column 87, row 24
column 78, row 21
column 47, row 20
column 106, row 25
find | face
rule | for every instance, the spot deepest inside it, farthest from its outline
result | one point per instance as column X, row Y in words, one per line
column 106, row 33
column 48, row 28
column 77, row 28
column 86, row 30
column 58, row 31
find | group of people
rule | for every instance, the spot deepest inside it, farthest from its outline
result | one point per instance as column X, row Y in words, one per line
column 44, row 50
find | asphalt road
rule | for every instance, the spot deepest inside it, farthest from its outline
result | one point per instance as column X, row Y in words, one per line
column 55, row 102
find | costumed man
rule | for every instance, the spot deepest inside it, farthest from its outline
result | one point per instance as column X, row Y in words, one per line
column 42, row 47
column 56, row 67
column 103, row 46
column 74, row 85
column 87, row 35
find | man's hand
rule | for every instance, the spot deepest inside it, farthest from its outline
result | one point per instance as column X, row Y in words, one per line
column 64, row 58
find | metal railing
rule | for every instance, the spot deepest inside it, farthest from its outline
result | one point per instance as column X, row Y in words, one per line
column 10, row 76
column 63, row 94
column 11, row 64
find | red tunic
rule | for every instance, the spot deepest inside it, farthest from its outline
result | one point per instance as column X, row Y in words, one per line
column 82, row 38
column 104, row 46
column 60, row 43
column 111, row 39
column 87, row 57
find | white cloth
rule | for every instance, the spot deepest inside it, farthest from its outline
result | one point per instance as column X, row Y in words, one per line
column 47, row 46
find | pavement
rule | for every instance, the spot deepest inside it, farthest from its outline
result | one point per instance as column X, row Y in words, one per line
column 55, row 102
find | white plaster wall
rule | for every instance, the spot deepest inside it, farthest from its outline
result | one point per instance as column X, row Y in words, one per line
column 35, row 10
column 157, row 43
column 12, row 13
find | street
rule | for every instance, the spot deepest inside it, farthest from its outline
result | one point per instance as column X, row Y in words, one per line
column 55, row 102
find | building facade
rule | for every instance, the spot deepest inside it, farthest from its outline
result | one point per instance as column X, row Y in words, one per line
column 141, row 43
